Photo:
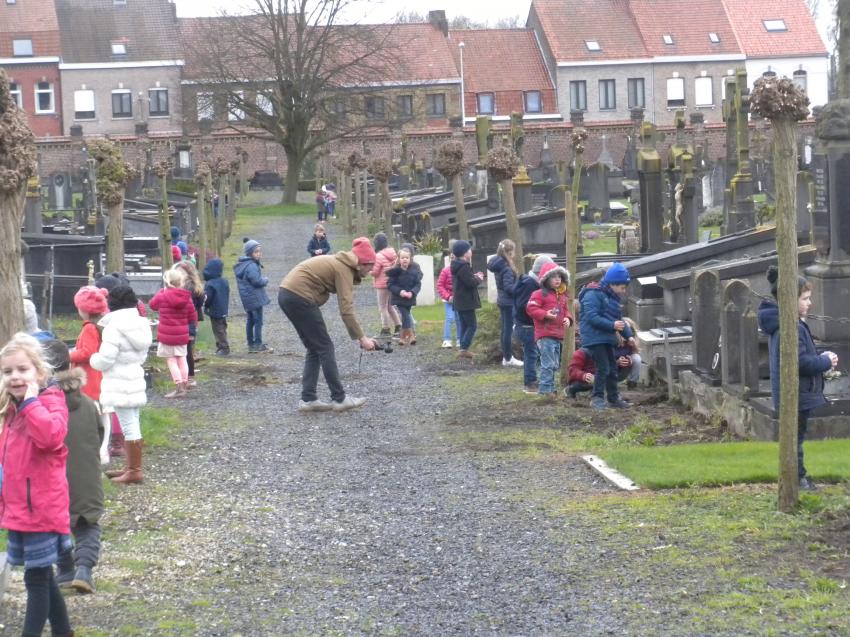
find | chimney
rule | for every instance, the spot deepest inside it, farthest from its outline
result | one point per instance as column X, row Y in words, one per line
column 438, row 19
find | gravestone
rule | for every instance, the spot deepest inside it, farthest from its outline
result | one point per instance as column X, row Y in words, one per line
column 649, row 177
column 805, row 182
column 597, row 190
column 736, row 301
column 705, row 314
column 630, row 157
column 749, row 346
column 426, row 289
column 741, row 213
column 707, row 192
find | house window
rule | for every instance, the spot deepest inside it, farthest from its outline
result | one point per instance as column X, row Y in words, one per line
column 404, row 105
column 703, row 92
column 533, row 102
column 436, row 104
column 44, row 98
column 119, row 3
column 119, row 48
column 375, row 109
column 486, row 103
column 637, row 94
column 578, row 95
column 607, row 95
column 122, row 104
column 206, row 106
column 22, row 47
column 264, row 103
column 800, row 80
column 668, row 39
column 10, row 1
column 84, row 104
column 774, row 25
column 17, row 96
column 338, row 107
column 235, row 112
column 592, row 45
column 713, row 37
column 675, row 92
column 158, row 101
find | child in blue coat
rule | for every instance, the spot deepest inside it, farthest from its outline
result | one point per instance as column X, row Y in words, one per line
column 217, row 303
column 252, row 292
column 318, row 242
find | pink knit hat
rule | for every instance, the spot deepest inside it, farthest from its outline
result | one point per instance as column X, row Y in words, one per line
column 91, row 300
column 363, row 250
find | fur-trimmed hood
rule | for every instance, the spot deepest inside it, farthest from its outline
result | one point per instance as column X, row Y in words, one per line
column 71, row 381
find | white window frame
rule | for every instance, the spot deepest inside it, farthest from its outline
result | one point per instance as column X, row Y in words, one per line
column 480, row 98
column 205, row 102
column 578, row 90
column 668, row 39
column 703, row 91
column 610, row 101
column 675, row 92
column 121, row 91
column 264, row 103
column 44, row 91
column 635, row 82
column 118, row 48
column 234, row 113
column 82, row 98
column 431, row 101
column 151, row 112
column 713, row 37
column 801, row 80
column 775, row 25
column 17, row 94
column 526, row 103
column 593, row 45
column 26, row 43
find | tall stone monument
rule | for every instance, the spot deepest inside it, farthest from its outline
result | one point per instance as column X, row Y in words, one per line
column 740, row 213
column 649, row 177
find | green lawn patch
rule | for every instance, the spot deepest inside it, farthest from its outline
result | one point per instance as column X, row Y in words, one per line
column 159, row 425
column 724, row 463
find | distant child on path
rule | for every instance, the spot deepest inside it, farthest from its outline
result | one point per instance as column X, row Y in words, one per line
column 502, row 266
column 193, row 283
column 548, row 308
column 465, row 295
column 85, row 431
column 319, row 242
column 404, row 282
column 527, row 284
column 217, row 304
column 252, row 292
column 385, row 258
column 34, row 493
column 177, row 241
column 600, row 320
column 444, row 289
column 812, row 364
column 321, row 210
column 176, row 314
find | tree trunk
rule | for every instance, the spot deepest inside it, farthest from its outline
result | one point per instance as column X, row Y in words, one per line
column 115, row 239
column 842, row 14
column 165, row 229
column 203, row 227
column 785, row 167
column 511, row 219
column 293, row 172
column 572, row 231
column 223, row 189
column 388, row 210
column 460, row 209
column 576, row 195
column 11, row 298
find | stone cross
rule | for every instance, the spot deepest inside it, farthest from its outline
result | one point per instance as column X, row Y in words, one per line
column 741, row 213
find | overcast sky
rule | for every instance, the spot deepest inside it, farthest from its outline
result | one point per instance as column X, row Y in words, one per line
column 384, row 10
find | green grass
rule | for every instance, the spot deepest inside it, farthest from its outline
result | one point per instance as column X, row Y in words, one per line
column 277, row 210
column 723, row 463
column 158, row 425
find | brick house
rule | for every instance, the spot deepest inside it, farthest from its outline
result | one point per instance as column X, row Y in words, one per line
column 504, row 72
column 30, row 49
column 121, row 66
column 611, row 55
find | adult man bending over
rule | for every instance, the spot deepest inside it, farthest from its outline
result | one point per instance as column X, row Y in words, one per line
column 307, row 287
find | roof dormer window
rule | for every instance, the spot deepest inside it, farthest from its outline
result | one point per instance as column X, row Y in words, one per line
column 713, row 37
column 774, row 25
column 22, row 47
column 592, row 45
column 119, row 3
column 668, row 39
column 119, row 48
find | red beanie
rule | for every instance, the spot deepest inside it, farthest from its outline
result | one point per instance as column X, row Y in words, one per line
column 363, row 250
column 176, row 254
column 91, row 300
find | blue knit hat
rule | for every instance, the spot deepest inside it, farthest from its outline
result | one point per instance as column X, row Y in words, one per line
column 460, row 248
column 175, row 232
column 250, row 246
column 617, row 274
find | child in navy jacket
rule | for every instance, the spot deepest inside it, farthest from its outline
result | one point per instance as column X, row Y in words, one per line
column 318, row 242
column 217, row 303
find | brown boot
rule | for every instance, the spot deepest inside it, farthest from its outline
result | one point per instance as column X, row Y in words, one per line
column 404, row 338
column 133, row 474
column 412, row 339
column 180, row 390
column 116, row 444
column 117, row 473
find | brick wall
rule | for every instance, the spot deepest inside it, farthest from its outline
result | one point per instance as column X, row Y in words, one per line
column 27, row 76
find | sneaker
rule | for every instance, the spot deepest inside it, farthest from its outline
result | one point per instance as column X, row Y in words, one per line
column 83, row 581
column 349, row 402
column 513, row 362
column 397, row 332
column 191, row 383
column 465, row 353
column 620, row 403
column 222, row 352
column 252, row 349
column 457, row 342
column 263, row 348
column 806, row 484
column 599, row 403
column 313, row 405
column 447, row 345
column 65, row 570
column 530, row 389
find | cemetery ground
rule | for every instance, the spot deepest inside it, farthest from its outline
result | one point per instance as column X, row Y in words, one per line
column 451, row 504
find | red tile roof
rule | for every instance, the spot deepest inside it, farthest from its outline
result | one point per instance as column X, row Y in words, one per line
column 568, row 24
column 801, row 38
column 28, row 16
column 687, row 25
column 500, row 60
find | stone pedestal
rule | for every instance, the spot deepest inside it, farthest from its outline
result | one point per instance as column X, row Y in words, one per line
column 522, row 191
column 426, row 294
column 651, row 210
column 32, row 208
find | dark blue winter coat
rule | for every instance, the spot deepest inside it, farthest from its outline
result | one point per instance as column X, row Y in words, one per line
column 523, row 289
column 399, row 279
column 464, row 286
column 217, row 290
column 318, row 244
column 505, row 280
column 812, row 364
column 251, row 283
column 600, row 307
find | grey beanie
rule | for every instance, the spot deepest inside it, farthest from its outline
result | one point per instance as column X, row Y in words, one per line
column 538, row 263
column 409, row 247
column 249, row 247
column 30, row 317
column 379, row 242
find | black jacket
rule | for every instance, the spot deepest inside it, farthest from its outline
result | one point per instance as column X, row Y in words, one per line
column 464, row 287
column 410, row 280
column 318, row 244
column 524, row 288
column 505, row 280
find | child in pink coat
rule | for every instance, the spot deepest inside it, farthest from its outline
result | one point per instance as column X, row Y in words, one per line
column 444, row 289
column 385, row 258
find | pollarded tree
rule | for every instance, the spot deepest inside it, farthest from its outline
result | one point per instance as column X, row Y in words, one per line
column 382, row 169
column 784, row 104
column 449, row 164
column 502, row 163
column 17, row 165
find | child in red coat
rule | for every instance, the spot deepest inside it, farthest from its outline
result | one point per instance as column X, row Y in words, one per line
column 444, row 289
column 176, row 313
column 547, row 307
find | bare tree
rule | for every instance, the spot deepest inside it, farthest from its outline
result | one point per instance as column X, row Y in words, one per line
column 17, row 165
column 113, row 174
column 293, row 71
